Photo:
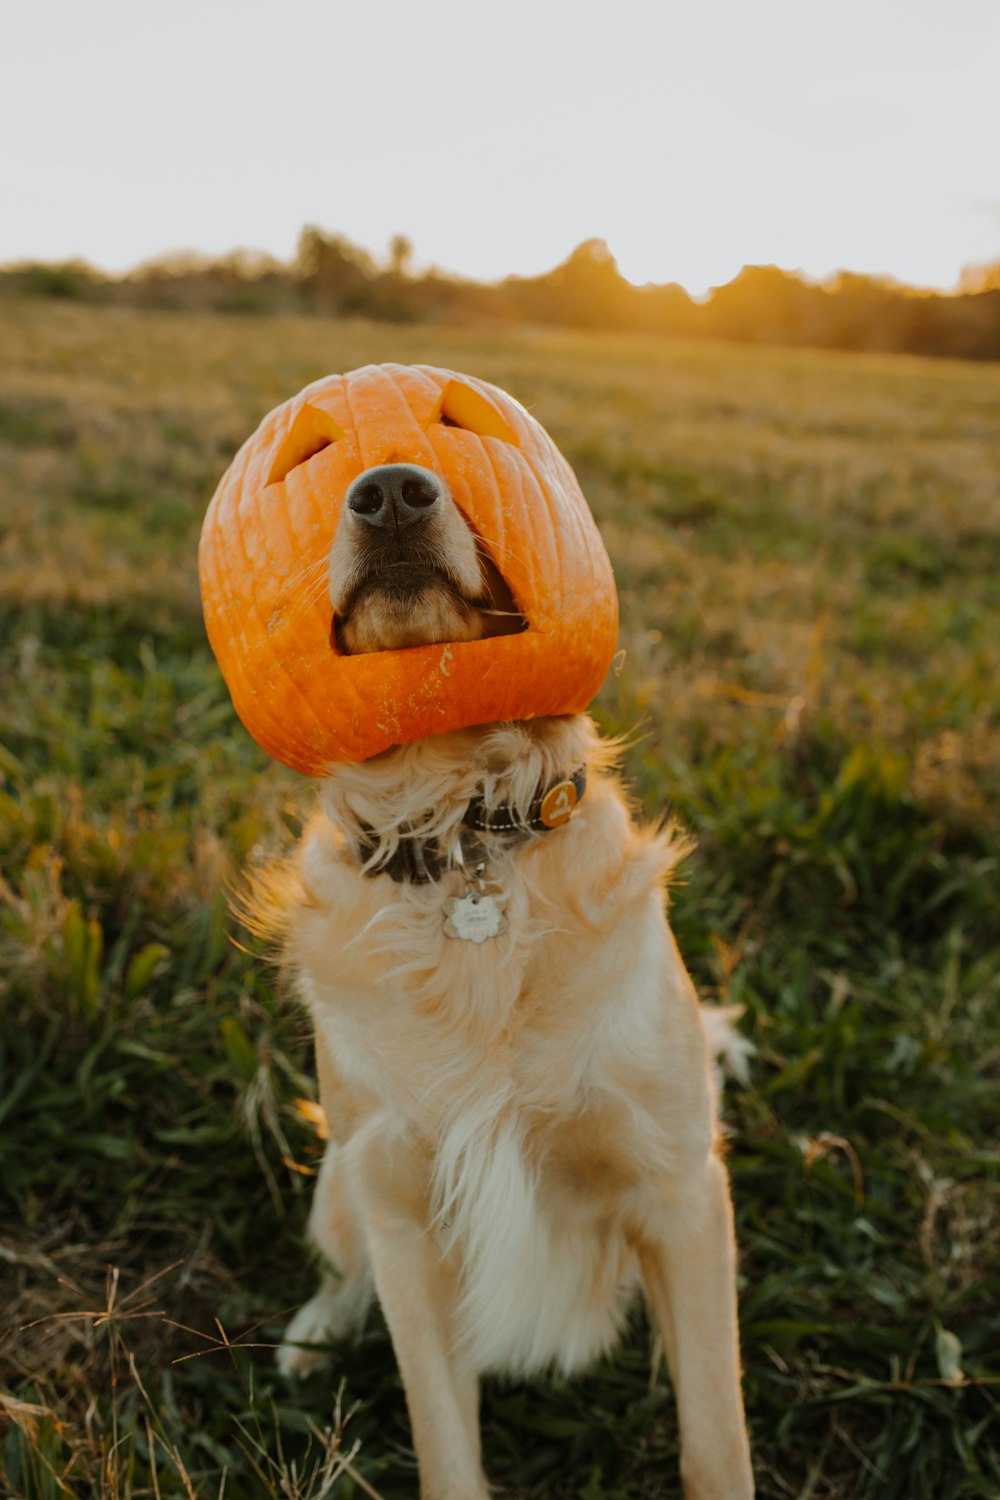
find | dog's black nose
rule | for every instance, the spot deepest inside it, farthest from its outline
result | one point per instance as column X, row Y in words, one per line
column 395, row 495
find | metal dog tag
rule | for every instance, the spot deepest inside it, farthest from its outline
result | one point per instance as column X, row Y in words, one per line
column 474, row 917
column 478, row 914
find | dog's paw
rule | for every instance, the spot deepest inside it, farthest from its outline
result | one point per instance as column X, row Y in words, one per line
column 336, row 1312
column 296, row 1362
column 312, row 1325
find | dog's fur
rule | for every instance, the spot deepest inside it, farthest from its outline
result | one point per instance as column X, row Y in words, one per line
column 523, row 1132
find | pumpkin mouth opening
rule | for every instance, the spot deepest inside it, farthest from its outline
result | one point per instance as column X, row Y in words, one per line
column 407, row 602
column 497, row 604
column 401, row 606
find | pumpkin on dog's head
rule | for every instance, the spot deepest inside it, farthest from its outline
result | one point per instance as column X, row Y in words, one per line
column 264, row 560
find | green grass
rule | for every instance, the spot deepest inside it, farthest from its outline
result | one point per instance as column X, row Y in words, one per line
column 808, row 551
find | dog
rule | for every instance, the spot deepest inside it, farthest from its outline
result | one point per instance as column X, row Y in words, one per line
column 512, row 1060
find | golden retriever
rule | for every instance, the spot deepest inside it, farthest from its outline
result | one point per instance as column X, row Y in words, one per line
column 512, row 1059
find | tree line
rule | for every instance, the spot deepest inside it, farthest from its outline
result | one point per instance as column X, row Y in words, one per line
column 329, row 276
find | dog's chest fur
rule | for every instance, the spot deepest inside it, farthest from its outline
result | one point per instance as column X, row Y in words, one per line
column 546, row 1077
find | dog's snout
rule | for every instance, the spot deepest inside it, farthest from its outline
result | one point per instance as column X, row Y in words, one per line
column 395, row 495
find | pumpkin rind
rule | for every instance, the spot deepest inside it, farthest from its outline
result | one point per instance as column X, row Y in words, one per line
column 264, row 553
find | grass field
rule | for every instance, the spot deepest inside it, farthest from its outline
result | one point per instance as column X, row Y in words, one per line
column 808, row 551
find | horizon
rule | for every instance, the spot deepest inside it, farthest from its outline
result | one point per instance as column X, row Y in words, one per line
column 416, row 271
column 694, row 141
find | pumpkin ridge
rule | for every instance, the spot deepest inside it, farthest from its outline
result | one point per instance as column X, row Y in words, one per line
column 235, row 544
column 420, row 430
column 496, row 547
column 317, row 518
column 422, row 378
column 528, row 607
column 501, row 542
column 311, row 713
column 222, row 573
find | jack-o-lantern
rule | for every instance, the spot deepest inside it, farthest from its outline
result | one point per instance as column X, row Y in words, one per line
column 268, row 534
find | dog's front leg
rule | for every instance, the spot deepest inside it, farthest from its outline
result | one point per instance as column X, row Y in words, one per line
column 687, row 1258
column 418, row 1290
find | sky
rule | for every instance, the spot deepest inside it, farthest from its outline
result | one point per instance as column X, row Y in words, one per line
column 694, row 136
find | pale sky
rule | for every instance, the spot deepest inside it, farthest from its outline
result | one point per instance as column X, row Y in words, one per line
column 693, row 137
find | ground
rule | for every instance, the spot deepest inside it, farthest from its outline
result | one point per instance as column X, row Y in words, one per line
column 808, row 552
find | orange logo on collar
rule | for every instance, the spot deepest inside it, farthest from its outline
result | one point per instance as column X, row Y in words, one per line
column 558, row 804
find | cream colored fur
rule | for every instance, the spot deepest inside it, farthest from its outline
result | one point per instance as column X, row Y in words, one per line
column 523, row 1132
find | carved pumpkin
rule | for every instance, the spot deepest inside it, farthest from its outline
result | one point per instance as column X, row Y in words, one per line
column 267, row 537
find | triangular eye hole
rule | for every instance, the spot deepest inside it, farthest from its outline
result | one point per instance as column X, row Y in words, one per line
column 461, row 406
column 311, row 432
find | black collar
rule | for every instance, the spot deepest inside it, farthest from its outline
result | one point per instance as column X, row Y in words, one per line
column 420, row 864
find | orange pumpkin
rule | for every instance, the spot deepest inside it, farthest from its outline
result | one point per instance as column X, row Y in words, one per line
column 267, row 537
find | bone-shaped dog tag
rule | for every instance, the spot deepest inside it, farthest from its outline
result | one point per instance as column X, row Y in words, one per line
column 474, row 917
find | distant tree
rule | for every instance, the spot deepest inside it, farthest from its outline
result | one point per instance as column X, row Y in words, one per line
column 863, row 312
column 666, row 309
column 975, row 279
column 73, row 280
column 400, row 255
column 763, row 305
column 588, row 289
column 585, row 291
column 333, row 273
column 241, row 281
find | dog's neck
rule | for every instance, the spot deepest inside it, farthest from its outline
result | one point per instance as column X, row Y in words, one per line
column 423, row 792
